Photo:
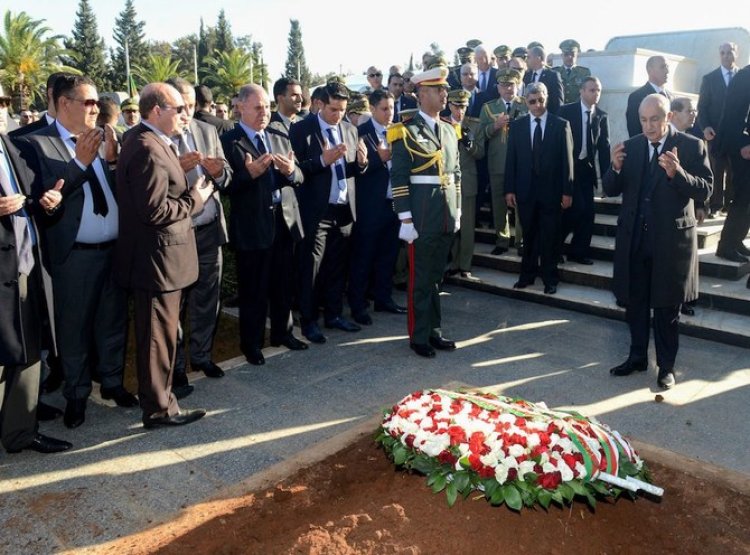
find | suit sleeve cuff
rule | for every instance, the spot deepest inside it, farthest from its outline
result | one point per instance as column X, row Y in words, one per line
column 404, row 215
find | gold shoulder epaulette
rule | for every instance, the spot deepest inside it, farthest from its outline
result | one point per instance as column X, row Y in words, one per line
column 457, row 128
column 395, row 132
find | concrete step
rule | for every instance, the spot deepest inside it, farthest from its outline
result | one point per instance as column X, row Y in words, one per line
column 710, row 322
column 709, row 232
column 715, row 293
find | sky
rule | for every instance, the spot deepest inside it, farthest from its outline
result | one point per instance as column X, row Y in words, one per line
column 387, row 33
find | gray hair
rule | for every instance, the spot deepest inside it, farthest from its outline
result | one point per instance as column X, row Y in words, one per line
column 251, row 89
column 661, row 101
column 535, row 88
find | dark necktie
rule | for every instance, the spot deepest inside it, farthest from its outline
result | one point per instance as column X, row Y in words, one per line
column 22, row 226
column 730, row 74
column 340, row 176
column 654, row 158
column 437, row 132
column 97, row 193
column 589, row 138
column 482, row 82
column 537, row 147
column 262, row 150
column 507, row 108
column 184, row 148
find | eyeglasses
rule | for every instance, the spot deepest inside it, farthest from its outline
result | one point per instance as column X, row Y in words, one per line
column 130, row 111
column 533, row 101
column 177, row 109
column 374, row 74
column 88, row 102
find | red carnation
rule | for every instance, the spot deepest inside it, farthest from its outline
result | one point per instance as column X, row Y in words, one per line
column 409, row 440
column 474, row 461
column 457, row 434
column 476, row 444
column 486, row 472
column 544, row 438
column 551, row 480
column 570, row 459
column 512, row 474
column 446, row 457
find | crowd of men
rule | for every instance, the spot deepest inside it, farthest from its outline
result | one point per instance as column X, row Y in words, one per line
column 102, row 202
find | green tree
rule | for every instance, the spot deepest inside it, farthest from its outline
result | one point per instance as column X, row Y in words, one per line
column 28, row 55
column 228, row 71
column 224, row 40
column 131, row 31
column 87, row 47
column 157, row 68
column 206, row 46
column 183, row 50
column 296, row 66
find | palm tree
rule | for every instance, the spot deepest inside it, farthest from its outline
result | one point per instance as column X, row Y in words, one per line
column 158, row 68
column 228, row 71
column 28, row 56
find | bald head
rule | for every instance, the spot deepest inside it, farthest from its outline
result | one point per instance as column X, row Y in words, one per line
column 728, row 55
column 254, row 107
column 658, row 70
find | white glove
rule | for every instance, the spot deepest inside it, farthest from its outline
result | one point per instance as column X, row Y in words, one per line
column 458, row 220
column 407, row 232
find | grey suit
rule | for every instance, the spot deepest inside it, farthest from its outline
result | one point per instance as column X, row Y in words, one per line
column 90, row 309
column 203, row 297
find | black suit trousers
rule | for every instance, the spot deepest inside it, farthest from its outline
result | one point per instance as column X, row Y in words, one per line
column 265, row 278
column 541, row 236
column 638, row 312
column 737, row 223
column 579, row 218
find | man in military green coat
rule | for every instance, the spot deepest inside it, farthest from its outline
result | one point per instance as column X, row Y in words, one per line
column 426, row 180
column 494, row 122
column 470, row 149
column 572, row 75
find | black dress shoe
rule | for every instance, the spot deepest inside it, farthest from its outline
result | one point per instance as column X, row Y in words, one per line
column 255, row 357
column 45, row 412
column 291, row 343
column 121, row 396
column 550, row 289
column 497, row 251
column 580, row 260
column 313, row 334
column 362, row 318
column 341, row 323
column 180, row 419
column 75, row 413
column 743, row 250
column 182, row 391
column 731, row 255
column 687, row 310
column 451, row 272
column 520, row 284
column 629, row 366
column 400, row 286
column 422, row 350
column 443, row 344
column 391, row 307
column 210, row 369
column 665, row 380
column 44, row 444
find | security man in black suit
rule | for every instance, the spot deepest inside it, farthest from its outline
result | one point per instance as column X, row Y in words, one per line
column 538, row 73
column 657, row 69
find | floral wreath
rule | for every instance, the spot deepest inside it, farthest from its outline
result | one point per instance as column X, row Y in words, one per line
column 514, row 451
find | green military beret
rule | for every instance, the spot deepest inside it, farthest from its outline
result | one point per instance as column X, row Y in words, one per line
column 534, row 43
column 465, row 54
column 358, row 106
column 509, row 75
column 520, row 52
column 502, row 51
column 459, row 97
column 473, row 43
column 129, row 104
column 570, row 45
column 407, row 114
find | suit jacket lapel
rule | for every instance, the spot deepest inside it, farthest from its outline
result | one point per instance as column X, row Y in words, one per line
column 200, row 144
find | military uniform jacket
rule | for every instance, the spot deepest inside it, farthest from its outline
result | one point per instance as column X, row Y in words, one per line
column 468, row 156
column 571, row 80
column 496, row 141
column 426, row 174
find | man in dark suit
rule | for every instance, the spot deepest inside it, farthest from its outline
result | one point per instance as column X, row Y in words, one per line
column 375, row 234
column 331, row 155
column 49, row 115
column 486, row 77
column 156, row 255
column 657, row 69
column 203, row 100
column 734, row 141
column 538, row 73
column 710, row 106
column 288, row 96
column 90, row 308
column 661, row 174
column 590, row 128
column 264, row 223
column 23, row 306
column 201, row 155
column 539, row 181
column 401, row 101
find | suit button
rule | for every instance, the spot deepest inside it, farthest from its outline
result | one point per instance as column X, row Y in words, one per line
column 11, row 283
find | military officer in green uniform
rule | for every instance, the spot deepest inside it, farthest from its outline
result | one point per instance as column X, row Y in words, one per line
column 572, row 75
column 426, row 181
column 494, row 122
column 465, row 56
column 503, row 54
column 469, row 150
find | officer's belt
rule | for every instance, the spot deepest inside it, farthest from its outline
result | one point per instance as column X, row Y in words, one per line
column 444, row 181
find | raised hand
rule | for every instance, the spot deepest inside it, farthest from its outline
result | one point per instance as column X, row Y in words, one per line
column 52, row 198
column 257, row 166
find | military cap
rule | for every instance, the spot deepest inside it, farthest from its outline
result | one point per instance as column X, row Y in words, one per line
column 129, row 104
column 473, row 43
column 570, row 45
column 509, row 75
column 358, row 106
column 436, row 74
column 502, row 51
column 465, row 54
column 406, row 115
column 520, row 52
column 459, row 97
column 534, row 43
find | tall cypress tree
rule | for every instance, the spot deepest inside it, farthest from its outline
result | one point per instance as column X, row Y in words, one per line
column 296, row 66
column 128, row 29
column 88, row 47
column 206, row 46
column 224, row 40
